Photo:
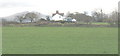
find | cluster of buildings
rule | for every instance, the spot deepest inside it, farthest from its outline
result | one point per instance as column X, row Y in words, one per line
column 61, row 17
column 54, row 17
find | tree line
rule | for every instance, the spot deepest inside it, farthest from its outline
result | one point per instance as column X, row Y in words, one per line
column 96, row 16
column 112, row 18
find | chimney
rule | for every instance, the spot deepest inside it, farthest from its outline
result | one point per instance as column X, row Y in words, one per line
column 57, row 12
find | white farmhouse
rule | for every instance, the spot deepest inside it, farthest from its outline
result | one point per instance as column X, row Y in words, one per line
column 57, row 16
column 61, row 17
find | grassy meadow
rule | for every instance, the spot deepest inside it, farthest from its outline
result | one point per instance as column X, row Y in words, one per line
column 60, row 40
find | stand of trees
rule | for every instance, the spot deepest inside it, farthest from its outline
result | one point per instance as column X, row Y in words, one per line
column 96, row 16
column 100, row 16
column 32, row 16
column 80, row 17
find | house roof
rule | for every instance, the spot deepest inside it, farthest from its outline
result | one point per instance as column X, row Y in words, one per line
column 57, row 12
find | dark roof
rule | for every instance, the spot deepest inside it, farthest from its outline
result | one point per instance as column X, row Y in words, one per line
column 57, row 12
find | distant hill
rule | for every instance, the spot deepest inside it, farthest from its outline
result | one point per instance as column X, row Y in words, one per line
column 14, row 17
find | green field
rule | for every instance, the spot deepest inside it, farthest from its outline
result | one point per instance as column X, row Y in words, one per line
column 60, row 40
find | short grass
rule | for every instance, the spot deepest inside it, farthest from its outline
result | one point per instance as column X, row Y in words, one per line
column 96, row 23
column 101, row 23
column 60, row 40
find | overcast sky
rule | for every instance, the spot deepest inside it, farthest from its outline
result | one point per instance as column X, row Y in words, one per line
column 9, row 7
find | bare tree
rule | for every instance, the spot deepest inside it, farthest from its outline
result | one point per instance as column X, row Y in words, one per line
column 114, row 17
column 32, row 16
column 99, row 16
column 20, row 18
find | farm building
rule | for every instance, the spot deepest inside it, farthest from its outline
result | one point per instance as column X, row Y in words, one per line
column 61, row 17
column 57, row 16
